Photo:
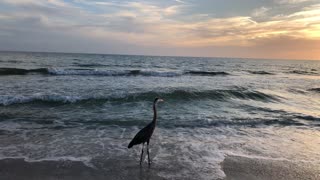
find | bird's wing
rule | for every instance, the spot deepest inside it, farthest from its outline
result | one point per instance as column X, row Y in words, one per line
column 142, row 136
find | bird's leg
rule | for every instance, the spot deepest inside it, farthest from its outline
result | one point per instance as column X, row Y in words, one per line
column 149, row 162
column 141, row 154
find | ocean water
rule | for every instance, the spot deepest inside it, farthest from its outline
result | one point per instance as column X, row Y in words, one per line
column 87, row 108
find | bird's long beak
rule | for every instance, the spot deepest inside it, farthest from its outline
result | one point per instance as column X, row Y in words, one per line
column 160, row 100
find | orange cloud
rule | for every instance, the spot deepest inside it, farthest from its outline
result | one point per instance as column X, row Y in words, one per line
column 142, row 24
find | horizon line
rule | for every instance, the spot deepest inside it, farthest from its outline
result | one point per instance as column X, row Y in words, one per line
column 154, row 55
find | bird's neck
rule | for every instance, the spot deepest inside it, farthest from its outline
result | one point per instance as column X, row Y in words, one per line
column 154, row 112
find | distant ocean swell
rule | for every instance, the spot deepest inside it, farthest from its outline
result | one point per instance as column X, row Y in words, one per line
column 137, row 72
column 220, row 95
column 101, row 72
column 314, row 90
column 260, row 72
column 311, row 72
column 17, row 71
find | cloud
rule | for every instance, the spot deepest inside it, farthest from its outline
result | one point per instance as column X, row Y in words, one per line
column 28, row 2
column 179, row 1
column 291, row 1
column 152, row 12
column 19, row 2
column 260, row 12
column 55, row 24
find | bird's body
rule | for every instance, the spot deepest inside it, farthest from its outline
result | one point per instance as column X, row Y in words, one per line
column 144, row 135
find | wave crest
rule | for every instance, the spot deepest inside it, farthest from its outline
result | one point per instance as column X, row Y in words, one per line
column 303, row 72
column 17, row 71
column 219, row 95
column 104, row 72
column 260, row 72
column 208, row 73
column 314, row 90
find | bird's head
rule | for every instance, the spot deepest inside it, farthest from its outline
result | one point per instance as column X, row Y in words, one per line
column 156, row 100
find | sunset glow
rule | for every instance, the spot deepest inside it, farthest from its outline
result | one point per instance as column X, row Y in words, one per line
column 287, row 29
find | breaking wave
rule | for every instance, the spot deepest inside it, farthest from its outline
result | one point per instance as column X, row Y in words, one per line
column 102, row 72
column 303, row 72
column 17, row 71
column 260, row 72
column 113, row 72
column 208, row 73
column 314, row 90
column 219, row 95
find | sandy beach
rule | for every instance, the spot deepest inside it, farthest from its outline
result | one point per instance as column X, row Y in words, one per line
column 241, row 168
column 235, row 168
column 19, row 169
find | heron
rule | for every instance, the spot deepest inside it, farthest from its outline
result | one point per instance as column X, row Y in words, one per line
column 144, row 135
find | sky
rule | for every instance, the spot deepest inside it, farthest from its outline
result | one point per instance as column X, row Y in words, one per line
column 275, row 29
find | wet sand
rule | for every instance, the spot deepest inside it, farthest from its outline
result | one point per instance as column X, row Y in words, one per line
column 19, row 169
column 241, row 168
column 235, row 168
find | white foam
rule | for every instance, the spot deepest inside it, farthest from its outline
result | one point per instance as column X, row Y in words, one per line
column 162, row 73
column 18, row 99
column 192, row 155
column 56, row 71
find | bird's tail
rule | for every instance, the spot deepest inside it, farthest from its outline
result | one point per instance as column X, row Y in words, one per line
column 130, row 144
